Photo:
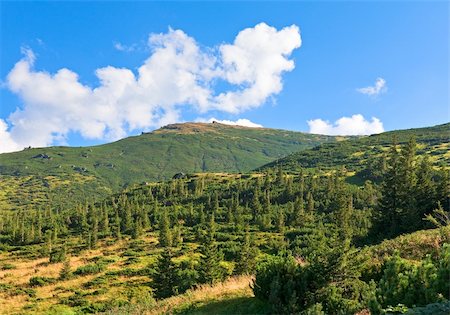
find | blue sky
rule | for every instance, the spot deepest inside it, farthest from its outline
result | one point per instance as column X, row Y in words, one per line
column 345, row 46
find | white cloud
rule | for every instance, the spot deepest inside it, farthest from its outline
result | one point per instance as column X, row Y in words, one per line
column 379, row 87
column 355, row 125
column 178, row 74
column 239, row 122
column 122, row 47
column 6, row 143
column 254, row 63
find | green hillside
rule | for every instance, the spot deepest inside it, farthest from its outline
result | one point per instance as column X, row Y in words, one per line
column 193, row 246
column 364, row 155
column 65, row 174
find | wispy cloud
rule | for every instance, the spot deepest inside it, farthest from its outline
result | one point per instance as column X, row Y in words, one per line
column 354, row 125
column 178, row 74
column 379, row 87
column 122, row 47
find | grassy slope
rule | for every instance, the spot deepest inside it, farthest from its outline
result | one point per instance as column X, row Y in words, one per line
column 233, row 296
column 115, row 284
column 354, row 154
column 75, row 173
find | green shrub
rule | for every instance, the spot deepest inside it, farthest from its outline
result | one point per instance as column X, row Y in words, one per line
column 58, row 255
column 279, row 281
column 405, row 283
column 431, row 309
column 41, row 281
column 90, row 269
column 8, row 266
column 75, row 300
column 442, row 282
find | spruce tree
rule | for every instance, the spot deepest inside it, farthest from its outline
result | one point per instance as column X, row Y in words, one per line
column 65, row 272
column 408, row 179
column 209, row 267
column 299, row 211
column 310, row 202
column 94, row 230
column 391, row 206
column 165, row 279
column 165, row 235
column 246, row 260
column 425, row 189
column 105, row 221
column 443, row 189
column 255, row 205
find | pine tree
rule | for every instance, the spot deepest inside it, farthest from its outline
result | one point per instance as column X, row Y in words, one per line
column 209, row 267
column 391, row 205
column 280, row 221
column 201, row 215
column 105, row 221
column 177, row 238
column 443, row 189
column 408, row 179
column 165, row 235
column 299, row 211
column 117, row 232
column 246, row 260
column 425, row 189
column 344, row 216
column 230, row 214
column 65, row 272
column 280, row 176
column 127, row 219
column 216, row 204
column 137, row 229
column 94, row 231
column 309, row 202
column 255, row 205
column 164, row 280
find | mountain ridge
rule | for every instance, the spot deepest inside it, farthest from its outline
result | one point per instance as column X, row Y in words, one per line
column 156, row 156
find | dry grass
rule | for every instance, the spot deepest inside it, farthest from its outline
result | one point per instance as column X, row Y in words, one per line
column 50, row 294
column 239, row 285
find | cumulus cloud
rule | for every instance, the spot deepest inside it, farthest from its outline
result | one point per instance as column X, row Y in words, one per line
column 239, row 122
column 178, row 74
column 351, row 126
column 7, row 144
column 379, row 87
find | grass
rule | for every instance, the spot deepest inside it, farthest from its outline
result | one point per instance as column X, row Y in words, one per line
column 234, row 296
column 14, row 297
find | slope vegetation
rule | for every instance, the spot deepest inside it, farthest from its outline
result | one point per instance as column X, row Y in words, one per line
column 66, row 174
column 367, row 153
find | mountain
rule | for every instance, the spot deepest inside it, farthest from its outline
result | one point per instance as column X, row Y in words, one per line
column 365, row 154
column 66, row 174
column 192, row 245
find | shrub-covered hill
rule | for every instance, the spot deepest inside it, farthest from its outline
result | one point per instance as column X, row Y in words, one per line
column 315, row 244
column 367, row 153
column 66, row 174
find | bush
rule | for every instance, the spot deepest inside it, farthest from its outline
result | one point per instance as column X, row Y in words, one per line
column 90, row 269
column 293, row 286
column 75, row 300
column 8, row 266
column 405, row 283
column 442, row 283
column 431, row 309
column 58, row 255
column 41, row 281
column 279, row 281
